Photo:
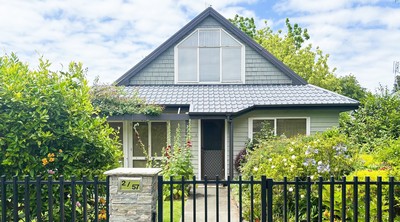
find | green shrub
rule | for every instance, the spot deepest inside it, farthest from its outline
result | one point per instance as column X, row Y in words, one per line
column 376, row 121
column 361, row 174
column 266, row 133
column 321, row 155
column 49, row 127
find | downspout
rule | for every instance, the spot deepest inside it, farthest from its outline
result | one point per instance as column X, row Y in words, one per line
column 230, row 124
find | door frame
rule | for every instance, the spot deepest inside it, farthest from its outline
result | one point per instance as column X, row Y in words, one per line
column 224, row 148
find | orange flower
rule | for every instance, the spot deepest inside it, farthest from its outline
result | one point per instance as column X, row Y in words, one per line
column 44, row 161
column 102, row 200
column 102, row 216
column 50, row 155
column 51, row 159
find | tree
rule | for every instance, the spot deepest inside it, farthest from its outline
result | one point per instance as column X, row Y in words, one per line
column 48, row 125
column 375, row 122
column 290, row 48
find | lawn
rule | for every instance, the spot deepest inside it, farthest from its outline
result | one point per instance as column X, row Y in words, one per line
column 177, row 204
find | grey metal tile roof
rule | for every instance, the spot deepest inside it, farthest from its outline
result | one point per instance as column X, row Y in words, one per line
column 236, row 98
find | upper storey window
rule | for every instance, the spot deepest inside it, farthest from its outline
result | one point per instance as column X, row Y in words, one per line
column 209, row 56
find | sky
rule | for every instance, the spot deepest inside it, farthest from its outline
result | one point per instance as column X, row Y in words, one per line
column 109, row 37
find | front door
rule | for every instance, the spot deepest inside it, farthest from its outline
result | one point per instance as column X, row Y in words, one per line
column 212, row 148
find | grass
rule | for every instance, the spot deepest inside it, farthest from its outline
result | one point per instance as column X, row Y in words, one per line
column 177, row 204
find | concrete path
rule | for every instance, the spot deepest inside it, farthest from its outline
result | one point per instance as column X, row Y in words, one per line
column 211, row 205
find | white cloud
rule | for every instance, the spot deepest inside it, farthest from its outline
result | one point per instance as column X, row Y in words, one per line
column 109, row 37
column 361, row 36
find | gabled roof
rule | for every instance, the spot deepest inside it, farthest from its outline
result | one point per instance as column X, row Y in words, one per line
column 187, row 29
column 235, row 99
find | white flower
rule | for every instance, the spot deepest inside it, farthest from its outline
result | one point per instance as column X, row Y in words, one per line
column 302, row 196
column 284, row 160
column 290, row 189
column 272, row 166
column 293, row 143
column 320, row 162
column 312, row 177
column 285, row 164
column 255, row 168
column 291, row 149
column 293, row 157
column 270, row 159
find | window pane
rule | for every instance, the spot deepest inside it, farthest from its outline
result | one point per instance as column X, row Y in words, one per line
column 258, row 124
column 139, row 163
column 142, row 129
column 158, row 137
column 231, row 64
column 209, row 38
column 291, row 127
column 191, row 41
column 227, row 40
column 209, row 62
column 187, row 64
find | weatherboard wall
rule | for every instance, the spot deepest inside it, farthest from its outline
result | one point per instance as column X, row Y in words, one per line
column 257, row 69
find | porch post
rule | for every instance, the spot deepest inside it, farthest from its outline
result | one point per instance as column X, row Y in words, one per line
column 230, row 123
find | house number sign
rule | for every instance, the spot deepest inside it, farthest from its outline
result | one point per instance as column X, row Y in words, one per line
column 130, row 184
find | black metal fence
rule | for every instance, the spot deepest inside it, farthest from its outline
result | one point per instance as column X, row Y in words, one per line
column 266, row 200
column 41, row 199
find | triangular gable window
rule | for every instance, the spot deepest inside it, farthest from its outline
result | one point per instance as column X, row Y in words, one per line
column 209, row 56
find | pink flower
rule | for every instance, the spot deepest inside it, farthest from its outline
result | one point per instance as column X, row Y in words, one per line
column 51, row 172
column 78, row 204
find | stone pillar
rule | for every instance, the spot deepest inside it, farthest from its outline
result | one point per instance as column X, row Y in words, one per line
column 133, row 194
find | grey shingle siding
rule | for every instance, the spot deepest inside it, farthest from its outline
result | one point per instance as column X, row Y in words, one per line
column 159, row 71
column 209, row 23
column 260, row 71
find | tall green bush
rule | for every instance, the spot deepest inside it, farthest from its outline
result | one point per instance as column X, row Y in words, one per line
column 376, row 121
column 48, row 123
column 49, row 128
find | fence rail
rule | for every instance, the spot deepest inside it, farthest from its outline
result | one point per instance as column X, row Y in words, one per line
column 298, row 200
column 41, row 199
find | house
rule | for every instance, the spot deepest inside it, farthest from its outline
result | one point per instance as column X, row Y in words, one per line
column 214, row 75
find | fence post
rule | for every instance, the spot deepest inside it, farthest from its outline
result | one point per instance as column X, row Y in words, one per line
column 133, row 194
column 263, row 199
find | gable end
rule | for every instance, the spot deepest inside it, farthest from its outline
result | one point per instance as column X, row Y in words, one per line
column 209, row 12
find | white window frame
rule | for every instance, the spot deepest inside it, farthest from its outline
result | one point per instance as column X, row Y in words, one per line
column 242, row 62
column 250, row 122
column 149, row 152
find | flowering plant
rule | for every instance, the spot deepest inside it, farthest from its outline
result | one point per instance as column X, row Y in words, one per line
column 177, row 163
column 322, row 155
